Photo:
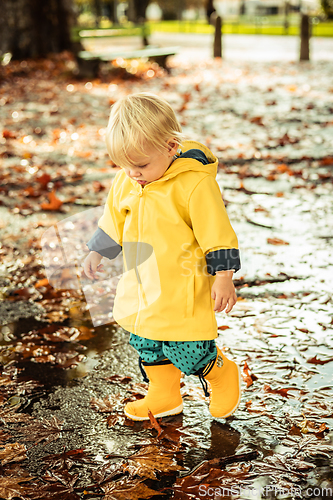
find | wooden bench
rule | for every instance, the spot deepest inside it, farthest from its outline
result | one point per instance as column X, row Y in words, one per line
column 80, row 33
column 88, row 62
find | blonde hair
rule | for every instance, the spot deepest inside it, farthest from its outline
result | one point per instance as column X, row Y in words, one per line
column 138, row 121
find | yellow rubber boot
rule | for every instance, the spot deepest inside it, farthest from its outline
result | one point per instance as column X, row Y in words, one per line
column 225, row 383
column 163, row 397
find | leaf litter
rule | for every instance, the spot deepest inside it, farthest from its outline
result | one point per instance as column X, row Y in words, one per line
column 63, row 383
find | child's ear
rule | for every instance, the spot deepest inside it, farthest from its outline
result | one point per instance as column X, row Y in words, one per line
column 172, row 146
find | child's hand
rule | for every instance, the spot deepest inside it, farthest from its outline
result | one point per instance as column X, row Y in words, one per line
column 92, row 264
column 223, row 291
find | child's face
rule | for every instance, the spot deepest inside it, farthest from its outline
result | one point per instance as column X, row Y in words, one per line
column 150, row 168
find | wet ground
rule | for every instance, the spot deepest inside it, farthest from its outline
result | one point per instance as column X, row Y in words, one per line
column 271, row 127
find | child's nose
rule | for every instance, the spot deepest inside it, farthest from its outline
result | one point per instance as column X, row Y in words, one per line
column 134, row 173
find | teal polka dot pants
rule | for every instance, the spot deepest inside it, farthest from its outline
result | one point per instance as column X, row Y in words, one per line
column 189, row 357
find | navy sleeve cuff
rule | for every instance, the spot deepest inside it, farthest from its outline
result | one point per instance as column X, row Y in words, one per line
column 223, row 260
column 101, row 243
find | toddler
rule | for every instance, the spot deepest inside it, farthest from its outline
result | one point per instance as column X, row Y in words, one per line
column 165, row 212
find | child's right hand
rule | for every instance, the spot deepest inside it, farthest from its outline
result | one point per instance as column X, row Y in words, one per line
column 92, row 264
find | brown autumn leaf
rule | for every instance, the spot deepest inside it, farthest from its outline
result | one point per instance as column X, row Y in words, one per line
column 55, row 334
column 10, row 415
column 47, row 350
column 54, row 204
column 24, row 292
column 307, row 426
column 172, row 435
column 223, row 327
column 30, row 192
column 43, row 180
column 106, row 405
column 112, row 420
column 327, row 161
column 9, row 134
column 259, row 408
column 86, row 333
column 4, row 436
column 289, row 468
column 257, row 120
column 248, row 376
column 308, row 446
column 145, row 463
column 154, row 423
column 98, row 186
column 43, row 282
column 10, row 487
column 13, row 452
column 317, row 361
column 283, row 391
column 212, row 473
column 48, row 430
column 66, row 459
column 63, row 476
column 276, row 241
column 117, row 378
column 52, row 491
column 128, row 489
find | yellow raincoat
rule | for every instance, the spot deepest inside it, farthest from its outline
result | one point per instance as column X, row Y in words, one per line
column 166, row 228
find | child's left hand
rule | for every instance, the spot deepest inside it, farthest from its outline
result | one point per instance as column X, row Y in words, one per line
column 223, row 291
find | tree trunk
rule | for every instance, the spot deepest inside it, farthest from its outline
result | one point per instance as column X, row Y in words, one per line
column 137, row 10
column 305, row 38
column 210, row 9
column 217, row 52
column 137, row 14
column 35, row 28
column 98, row 12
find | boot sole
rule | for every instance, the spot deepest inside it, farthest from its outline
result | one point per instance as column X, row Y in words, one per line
column 239, row 398
column 169, row 413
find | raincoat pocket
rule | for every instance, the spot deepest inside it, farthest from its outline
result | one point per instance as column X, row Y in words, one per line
column 189, row 311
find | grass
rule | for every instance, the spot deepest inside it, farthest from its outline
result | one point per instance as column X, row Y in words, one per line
column 273, row 25
column 268, row 27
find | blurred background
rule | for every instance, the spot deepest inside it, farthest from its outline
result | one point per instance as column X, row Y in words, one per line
column 32, row 28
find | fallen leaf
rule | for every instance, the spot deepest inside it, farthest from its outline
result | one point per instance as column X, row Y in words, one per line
column 45, row 430
column 66, row 459
column 43, row 282
column 128, row 489
column 307, row 426
column 106, row 405
column 283, row 391
column 13, row 452
column 248, row 376
column 154, row 423
column 145, row 463
column 276, row 241
column 317, row 361
column 54, row 204
column 10, row 487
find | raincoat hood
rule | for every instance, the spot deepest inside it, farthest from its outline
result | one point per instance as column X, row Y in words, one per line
column 184, row 163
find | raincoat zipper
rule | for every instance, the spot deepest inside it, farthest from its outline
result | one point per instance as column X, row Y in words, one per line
column 141, row 294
